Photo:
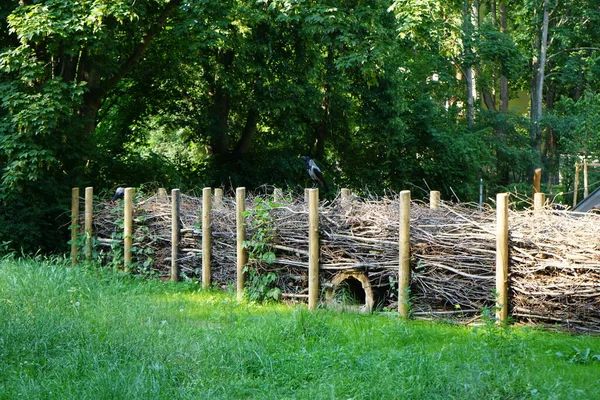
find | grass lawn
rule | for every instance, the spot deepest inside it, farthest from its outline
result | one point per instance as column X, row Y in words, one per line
column 86, row 334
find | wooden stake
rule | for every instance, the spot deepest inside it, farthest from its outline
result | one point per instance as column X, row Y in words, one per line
column 345, row 195
column 539, row 199
column 74, row 224
column 89, row 215
column 242, row 255
column 404, row 263
column 576, row 183
column 162, row 194
column 434, row 199
column 218, row 201
column 502, row 257
column 127, row 228
column 537, row 180
column 585, row 179
column 313, row 248
column 277, row 195
column 175, row 233
column 206, row 232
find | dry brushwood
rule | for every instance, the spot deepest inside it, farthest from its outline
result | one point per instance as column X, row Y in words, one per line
column 554, row 255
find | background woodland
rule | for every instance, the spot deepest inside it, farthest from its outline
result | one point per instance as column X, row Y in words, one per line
column 385, row 95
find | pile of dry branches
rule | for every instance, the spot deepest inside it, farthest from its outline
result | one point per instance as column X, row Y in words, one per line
column 554, row 256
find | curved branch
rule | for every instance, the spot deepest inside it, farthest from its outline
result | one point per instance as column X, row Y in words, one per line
column 139, row 51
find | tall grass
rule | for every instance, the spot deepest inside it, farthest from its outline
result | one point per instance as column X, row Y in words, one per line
column 73, row 333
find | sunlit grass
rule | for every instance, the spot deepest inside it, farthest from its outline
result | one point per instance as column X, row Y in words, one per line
column 84, row 334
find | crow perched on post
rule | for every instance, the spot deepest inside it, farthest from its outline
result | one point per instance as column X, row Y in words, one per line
column 315, row 173
column 119, row 194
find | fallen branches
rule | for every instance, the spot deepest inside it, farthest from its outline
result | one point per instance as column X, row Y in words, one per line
column 554, row 256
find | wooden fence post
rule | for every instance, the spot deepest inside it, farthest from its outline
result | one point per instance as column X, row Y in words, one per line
column 162, row 194
column 206, row 239
column 576, row 184
column 345, row 198
column 277, row 195
column 434, row 199
column 218, row 200
column 242, row 255
column 74, row 224
column 345, row 193
column 404, row 263
column 539, row 199
column 537, row 180
column 127, row 228
column 502, row 257
column 175, row 233
column 89, row 215
column 313, row 248
column 586, row 191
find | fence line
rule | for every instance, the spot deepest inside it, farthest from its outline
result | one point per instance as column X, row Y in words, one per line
column 404, row 264
column 209, row 202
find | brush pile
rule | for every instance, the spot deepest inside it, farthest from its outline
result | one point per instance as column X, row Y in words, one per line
column 554, row 255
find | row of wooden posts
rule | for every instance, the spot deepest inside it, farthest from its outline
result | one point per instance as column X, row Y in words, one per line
column 312, row 196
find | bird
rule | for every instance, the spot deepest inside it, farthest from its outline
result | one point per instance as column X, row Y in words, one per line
column 119, row 193
column 315, row 173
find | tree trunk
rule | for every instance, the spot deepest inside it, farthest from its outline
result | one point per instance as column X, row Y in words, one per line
column 98, row 87
column 502, row 159
column 539, row 65
column 504, row 94
column 243, row 145
column 468, row 64
column 219, row 129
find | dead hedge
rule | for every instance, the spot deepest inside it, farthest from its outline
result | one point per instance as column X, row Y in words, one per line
column 554, row 255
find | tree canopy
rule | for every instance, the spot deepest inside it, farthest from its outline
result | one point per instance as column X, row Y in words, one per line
column 386, row 95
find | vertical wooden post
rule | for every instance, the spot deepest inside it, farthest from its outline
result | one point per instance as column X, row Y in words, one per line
column 585, row 179
column 345, row 197
column 313, row 248
column 434, row 199
column 537, row 180
column 404, row 263
column 576, row 183
column 539, row 199
column 242, row 255
column 306, row 195
column 502, row 257
column 175, row 233
column 218, row 200
column 206, row 239
column 89, row 215
column 74, row 224
column 345, row 193
column 162, row 194
column 127, row 228
column 277, row 195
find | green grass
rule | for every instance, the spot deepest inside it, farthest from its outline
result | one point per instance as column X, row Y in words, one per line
column 85, row 334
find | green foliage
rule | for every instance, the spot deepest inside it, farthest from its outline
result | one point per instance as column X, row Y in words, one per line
column 580, row 356
column 261, row 287
column 577, row 124
column 260, row 224
column 229, row 93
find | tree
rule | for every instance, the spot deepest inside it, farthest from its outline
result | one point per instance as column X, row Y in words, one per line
column 59, row 62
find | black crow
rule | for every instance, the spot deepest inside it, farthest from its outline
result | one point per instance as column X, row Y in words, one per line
column 315, row 173
column 119, row 194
